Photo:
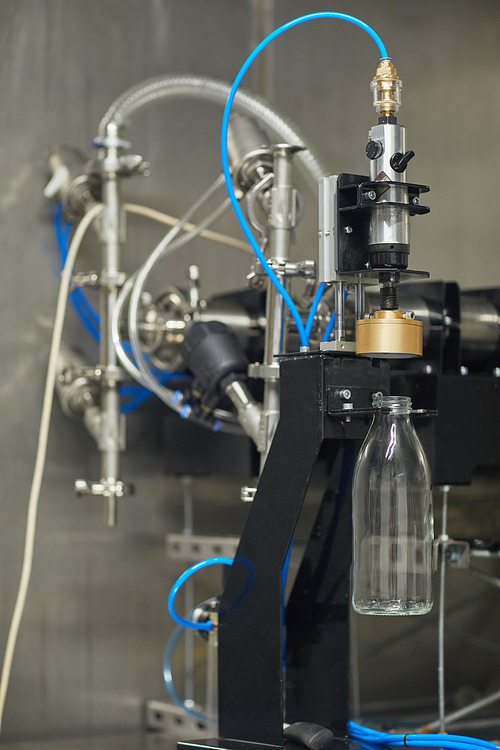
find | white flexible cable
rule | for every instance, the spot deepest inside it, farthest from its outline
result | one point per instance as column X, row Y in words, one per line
column 145, row 270
column 135, row 297
column 116, row 317
column 42, row 451
column 171, row 221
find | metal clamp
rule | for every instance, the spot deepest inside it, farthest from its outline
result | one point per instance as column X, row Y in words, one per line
column 103, row 488
column 102, row 374
column 257, row 370
column 84, row 278
column 247, row 494
column 456, row 551
column 94, row 279
column 304, row 268
column 113, row 278
column 337, row 346
column 125, row 165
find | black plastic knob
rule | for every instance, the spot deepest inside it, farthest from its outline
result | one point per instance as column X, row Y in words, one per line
column 312, row 736
column 374, row 149
column 399, row 161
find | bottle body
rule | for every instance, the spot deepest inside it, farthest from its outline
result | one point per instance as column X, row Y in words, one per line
column 393, row 528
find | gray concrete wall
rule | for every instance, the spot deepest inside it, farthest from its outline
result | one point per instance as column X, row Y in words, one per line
column 91, row 642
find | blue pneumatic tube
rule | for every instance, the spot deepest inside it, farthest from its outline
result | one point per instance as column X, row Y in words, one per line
column 225, row 158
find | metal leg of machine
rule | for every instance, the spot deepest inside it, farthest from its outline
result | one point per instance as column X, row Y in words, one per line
column 317, row 683
column 251, row 707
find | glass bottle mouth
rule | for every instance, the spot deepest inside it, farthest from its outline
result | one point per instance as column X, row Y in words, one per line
column 392, row 404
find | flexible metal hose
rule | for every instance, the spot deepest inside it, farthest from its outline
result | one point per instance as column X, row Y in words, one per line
column 144, row 95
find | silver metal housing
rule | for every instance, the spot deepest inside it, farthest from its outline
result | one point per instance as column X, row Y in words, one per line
column 389, row 225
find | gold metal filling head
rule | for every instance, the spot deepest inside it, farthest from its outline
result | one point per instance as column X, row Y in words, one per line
column 386, row 88
column 389, row 334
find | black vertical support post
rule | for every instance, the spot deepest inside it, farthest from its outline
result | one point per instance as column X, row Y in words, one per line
column 250, row 617
column 317, row 621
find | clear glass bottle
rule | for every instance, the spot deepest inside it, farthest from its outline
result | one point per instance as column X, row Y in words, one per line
column 392, row 572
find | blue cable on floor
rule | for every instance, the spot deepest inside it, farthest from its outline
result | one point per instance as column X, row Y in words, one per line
column 448, row 741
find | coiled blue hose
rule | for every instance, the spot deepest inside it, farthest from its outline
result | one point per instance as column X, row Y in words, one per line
column 304, row 338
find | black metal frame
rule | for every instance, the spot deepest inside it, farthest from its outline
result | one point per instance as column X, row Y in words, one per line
column 251, row 705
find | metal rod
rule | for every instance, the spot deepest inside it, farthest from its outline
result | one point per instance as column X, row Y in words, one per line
column 187, row 500
column 443, row 539
column 483, row 576
column 274, row 343
column 426, row 622
column 211, row 684
column 339, row 330
column 354, row 671
column 475, row 640
column 466, row 710
column 110, row 443
column 281, row 224
column 187, row 503
column 263, row 25
column 275, row 335
column 359, row 301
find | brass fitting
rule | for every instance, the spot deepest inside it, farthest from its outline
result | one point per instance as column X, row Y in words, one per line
column 386, row 87
column 389, row 334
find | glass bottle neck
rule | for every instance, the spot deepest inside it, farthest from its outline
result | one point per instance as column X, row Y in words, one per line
column 397, row 405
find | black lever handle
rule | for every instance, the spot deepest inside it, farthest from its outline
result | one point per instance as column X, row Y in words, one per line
column 399, row 161
column 312, row 736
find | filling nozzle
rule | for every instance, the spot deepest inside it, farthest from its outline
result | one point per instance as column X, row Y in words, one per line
column 389, row 233
column 386, row 88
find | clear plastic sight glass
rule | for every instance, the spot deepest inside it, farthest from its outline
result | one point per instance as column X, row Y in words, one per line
column 392, row 572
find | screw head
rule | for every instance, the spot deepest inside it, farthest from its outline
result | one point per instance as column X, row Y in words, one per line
column 371, row 195
column 345, row 393
column 415, row 200
column 348, row 230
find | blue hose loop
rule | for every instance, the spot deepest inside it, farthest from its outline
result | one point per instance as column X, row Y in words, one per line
column 209, row 626
column 225, row 158
column 169, row 680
